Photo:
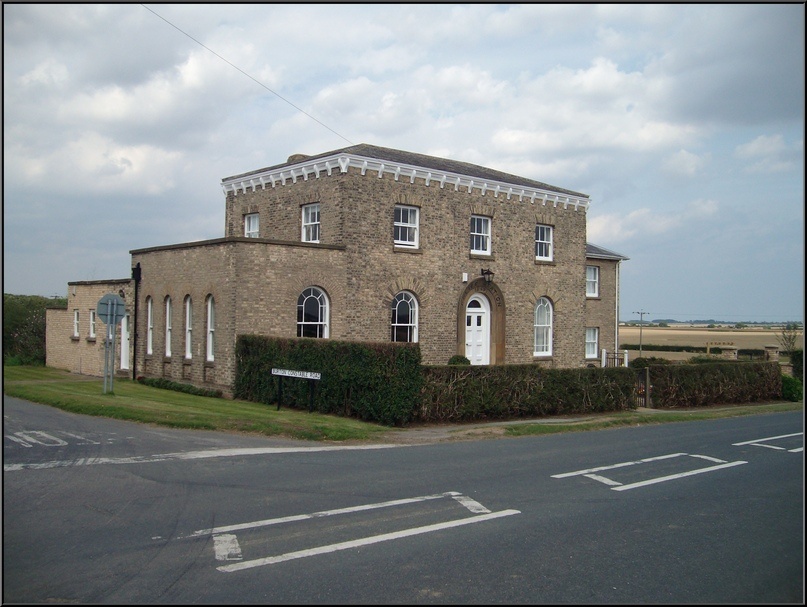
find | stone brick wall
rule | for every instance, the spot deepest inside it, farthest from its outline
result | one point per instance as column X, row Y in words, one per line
column 601, row 311
column 84, row 353
column 256, row 282
column 357, row 212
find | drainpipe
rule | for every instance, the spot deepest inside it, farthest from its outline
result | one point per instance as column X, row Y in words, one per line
column 136, row 274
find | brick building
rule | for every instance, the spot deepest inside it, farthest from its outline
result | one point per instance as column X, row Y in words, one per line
column 368, row 244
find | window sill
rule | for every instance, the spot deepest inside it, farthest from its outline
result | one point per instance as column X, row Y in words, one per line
column 74, row 338
column 91, row 340
column 539, row 358
column 401, row 249
column 593, row 297
column 209, row 364
column 545, row 262
column 485, row 256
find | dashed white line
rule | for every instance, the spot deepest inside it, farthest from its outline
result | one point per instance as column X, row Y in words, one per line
column 188, row 455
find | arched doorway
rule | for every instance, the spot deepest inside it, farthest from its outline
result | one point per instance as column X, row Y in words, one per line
column 477, row 330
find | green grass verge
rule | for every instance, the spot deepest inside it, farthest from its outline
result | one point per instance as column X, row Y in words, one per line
column 632, row 418
column 133, row 401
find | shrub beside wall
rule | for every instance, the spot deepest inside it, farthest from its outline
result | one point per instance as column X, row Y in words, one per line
column 465, row 393
column 377, row 382
column 676, row 386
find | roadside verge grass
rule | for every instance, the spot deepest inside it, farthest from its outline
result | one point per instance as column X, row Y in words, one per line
column 132, row 401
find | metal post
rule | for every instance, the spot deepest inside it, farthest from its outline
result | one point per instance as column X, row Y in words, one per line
column 641, row 324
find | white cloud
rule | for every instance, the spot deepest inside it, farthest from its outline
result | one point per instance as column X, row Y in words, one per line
column 770, row 154
column 684, row 163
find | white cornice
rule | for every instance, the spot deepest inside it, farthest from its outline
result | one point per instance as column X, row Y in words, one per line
column 314, row 168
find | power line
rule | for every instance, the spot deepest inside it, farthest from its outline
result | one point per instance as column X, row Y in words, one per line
column 248, row 75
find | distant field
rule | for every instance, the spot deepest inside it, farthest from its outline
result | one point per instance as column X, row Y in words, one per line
column 699, row 336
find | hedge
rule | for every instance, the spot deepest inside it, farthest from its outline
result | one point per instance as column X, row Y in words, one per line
column 674, row 386
column 461, row 393
column 376, row 382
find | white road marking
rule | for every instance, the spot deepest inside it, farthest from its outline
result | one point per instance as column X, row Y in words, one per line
column 226, row 547
column 672, row 477
column 188, row 455
column 617, row 486
column 271, row 560
column 302, row 517
column 760, row 442
column 612, row 466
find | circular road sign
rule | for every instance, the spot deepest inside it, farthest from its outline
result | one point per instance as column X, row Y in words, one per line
column 111, row 309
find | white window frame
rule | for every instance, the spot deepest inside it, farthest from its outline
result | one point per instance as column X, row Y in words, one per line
column 149, row 326
column 92, row 323
column 188, row 327
column 406, row 222
column 311, row 223
column 411, row 326
column 252, row 223
column 592, row 281
column 320, row 325
column 592, row 342
column 168, row 326
column 75, row 323
column 480, row 234
column 542, row 325
column 211, row 327
column 544, row 236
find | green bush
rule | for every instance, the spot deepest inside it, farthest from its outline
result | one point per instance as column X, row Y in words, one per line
column 458, row 359
column 167, row 384
column 377, row 382
column 645, row 361
column 467, row 393
column 797, row 360
column 792, row 388
column 722, row 382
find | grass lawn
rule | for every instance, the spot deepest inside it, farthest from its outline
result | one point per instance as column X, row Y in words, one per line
column 132, row 401
column 136, row 402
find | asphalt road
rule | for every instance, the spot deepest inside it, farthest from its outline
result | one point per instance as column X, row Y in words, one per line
column 103, row 511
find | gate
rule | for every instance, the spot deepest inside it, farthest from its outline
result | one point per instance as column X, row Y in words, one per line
column 643, row 387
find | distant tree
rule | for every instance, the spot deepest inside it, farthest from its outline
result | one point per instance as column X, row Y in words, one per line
column 24, row 327
column 740, row 325
column 788, row 337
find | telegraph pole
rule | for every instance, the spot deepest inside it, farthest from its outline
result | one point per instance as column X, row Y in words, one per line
column 641, row 323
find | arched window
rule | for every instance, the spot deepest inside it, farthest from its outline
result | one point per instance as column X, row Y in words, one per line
column 404, row 325
column 312, row 313
column 211, row 327
column 188, row 327
column 168, row 325
column 543, row 328
column 149, row 326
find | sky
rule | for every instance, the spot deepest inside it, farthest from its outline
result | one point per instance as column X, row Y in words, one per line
column 684, row 123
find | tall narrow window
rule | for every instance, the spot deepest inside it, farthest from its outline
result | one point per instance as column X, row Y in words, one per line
column 312, row 313
column 480, row 235
column 592, row 281
column 211, row 327
column 149, row 326
column 592, row 341
column 543, row 328
column 92, row 323
column 251, row 225
column 311, row 223
column 188, row 327
column 543, row 242
column 404, row 323
column 406, row 226
column 168, row 326
column 75, row 323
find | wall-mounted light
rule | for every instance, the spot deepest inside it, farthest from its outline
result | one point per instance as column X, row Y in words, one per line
column 487, row 275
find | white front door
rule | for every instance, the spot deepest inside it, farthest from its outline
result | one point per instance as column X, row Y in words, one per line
column 477, row 330
column 124, row 342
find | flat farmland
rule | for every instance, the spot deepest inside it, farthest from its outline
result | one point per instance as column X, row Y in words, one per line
column 751, row 338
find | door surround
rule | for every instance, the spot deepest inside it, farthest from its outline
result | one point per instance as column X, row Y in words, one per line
column 497, row 317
